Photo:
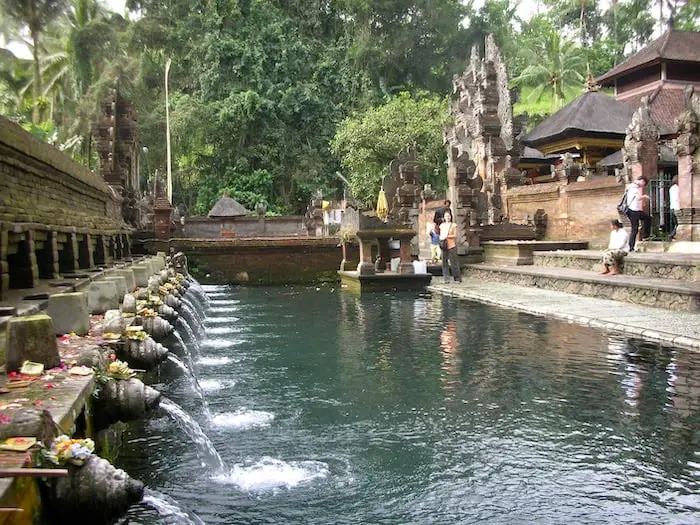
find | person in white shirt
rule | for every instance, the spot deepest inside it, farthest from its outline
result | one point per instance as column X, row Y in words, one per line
column 618, row 247
column 675, row 204
column 638, row 203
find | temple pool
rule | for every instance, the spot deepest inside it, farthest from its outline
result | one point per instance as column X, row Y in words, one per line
column 327, row 408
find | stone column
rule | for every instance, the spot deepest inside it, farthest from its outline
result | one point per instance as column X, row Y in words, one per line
column 4, row 266
column 641, row 151
column 406, row 263
column 687, row 147
column 350, row 256
column 366, row 266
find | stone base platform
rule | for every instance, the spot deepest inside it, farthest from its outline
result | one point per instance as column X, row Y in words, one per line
column 660, row 293
column 384, row 282
column 677, row 266
column 516, row 253
column 669, row 247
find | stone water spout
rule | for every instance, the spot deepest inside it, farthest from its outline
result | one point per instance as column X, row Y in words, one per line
column 157, row 327
column 96, row 493
column 168, row 313
column 123, row 400
column 144, row 354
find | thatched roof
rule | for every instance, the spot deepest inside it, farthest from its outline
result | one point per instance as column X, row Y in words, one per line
column 666, row 158
column 227, row 207
column 681, row 46
column 592, row 114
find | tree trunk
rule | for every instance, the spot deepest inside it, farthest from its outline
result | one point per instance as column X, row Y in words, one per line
column 36, row 110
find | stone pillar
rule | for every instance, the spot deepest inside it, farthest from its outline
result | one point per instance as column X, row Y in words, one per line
column 161, row 220
column 350, row 256
column 69, row 312
column 67, row 252
column 384, row 253
column 31, row 338
column 687, row 147
column 4, row 266
column 366, row 266
column 641, row 151
column 406, row 263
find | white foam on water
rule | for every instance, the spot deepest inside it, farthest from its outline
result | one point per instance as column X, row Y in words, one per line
column 214, row 287
column 243, row 419
column 223, row 330
column 270, row 473
column 224, row 302
column 213, row 361
column 213, row 385
column 221, row 343
column 217, row 309
column 221, row 320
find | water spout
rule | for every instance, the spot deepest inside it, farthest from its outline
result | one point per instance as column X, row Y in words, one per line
column 205, row 448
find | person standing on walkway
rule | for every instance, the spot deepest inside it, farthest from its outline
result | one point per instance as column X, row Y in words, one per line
column 434, row 235
column 618, row 246
column 637, row 202
column 675, row 204
column 440, row 212
column 448, row 243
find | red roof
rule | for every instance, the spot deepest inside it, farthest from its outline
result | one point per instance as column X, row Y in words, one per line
column 682, row 46
column 665, row 104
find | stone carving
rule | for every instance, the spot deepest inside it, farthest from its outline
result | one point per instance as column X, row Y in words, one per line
column 96, row 493
column 404, row 176
column 313, row 219
column 688, row 125
column 641, row 132
column 482, row 142
column 123, row 400
column 157, row 327
column 144, row 354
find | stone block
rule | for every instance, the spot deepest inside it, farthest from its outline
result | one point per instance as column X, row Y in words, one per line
column 31, row 338
column 141, row 273
column 102, row 296
column 129, row 304
column 121, row 283
column 69, row 312
column 128, row 274
column 113, row 322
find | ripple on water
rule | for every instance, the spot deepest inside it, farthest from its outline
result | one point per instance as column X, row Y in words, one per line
column 270, row 473
column 221, row 320
column 243, row 419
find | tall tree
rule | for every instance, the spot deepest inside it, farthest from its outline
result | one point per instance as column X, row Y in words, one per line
column 35, row 14
column 554, row 67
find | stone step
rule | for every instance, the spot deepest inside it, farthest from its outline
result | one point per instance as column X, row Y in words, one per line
column 521, row 252
column 659, row 293
column 677, row 266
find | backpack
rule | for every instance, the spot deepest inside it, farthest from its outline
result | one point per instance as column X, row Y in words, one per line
column 623, row 207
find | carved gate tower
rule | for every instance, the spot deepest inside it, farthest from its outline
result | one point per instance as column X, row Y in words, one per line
column 482, row 144
column 118, row 148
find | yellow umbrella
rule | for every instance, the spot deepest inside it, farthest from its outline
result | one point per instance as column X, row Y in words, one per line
column 382, row 205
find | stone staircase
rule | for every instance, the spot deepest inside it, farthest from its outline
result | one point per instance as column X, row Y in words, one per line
column 662, row 280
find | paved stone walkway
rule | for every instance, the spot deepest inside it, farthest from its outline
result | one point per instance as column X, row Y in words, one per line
column 655, row 324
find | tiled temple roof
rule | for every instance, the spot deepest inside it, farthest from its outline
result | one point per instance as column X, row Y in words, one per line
column 675, row 45
column 591, row 114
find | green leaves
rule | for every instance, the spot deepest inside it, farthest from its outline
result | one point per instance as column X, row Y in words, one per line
column 368, row 141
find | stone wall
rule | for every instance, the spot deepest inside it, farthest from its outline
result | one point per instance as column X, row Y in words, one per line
column 55, row 215
column 212, row 228
column 575, row 211
column 261, row 261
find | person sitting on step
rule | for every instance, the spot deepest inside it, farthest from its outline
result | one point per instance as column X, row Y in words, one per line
column 618, row 247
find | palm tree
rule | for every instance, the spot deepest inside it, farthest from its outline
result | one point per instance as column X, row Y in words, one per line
column 36, row 15
column 554, row 66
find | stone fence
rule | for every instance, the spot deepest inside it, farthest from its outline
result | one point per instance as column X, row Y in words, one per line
column 56, row 216
column 212, row 227
column 575, row 211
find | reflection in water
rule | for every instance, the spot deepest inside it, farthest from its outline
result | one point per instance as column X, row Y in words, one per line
column 450, row 367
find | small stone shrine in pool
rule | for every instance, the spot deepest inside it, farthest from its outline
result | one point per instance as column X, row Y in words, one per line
column 383, row 238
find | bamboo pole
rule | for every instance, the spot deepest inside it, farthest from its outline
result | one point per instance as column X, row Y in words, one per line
column 33, row 472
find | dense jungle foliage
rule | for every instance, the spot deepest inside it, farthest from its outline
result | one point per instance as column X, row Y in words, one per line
column 271, row 99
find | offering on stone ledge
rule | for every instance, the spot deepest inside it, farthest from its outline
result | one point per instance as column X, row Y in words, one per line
column 18, row 444
column 30, row 368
